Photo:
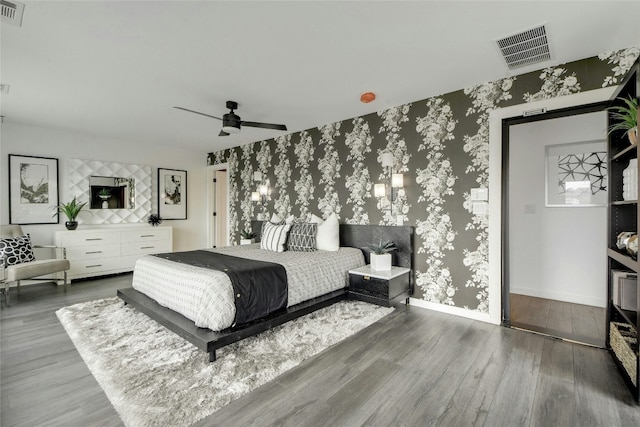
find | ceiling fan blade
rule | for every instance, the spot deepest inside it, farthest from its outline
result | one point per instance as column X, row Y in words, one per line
column 223, row 133
column 197, row 112
column 264, row 125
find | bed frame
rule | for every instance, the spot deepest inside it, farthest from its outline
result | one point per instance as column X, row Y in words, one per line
column 358, row 236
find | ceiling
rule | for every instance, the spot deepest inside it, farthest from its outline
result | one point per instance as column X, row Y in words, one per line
column 115, row 69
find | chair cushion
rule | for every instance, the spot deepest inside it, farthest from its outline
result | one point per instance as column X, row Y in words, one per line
column 36, row 269
column 17, row 250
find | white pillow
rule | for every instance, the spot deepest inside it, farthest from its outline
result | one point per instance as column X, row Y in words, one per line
column 328, row 238
column 274, row 237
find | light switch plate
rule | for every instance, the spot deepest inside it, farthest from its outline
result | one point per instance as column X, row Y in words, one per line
column 479, row 194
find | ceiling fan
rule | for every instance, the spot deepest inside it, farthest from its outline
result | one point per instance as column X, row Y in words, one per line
column 231, row 122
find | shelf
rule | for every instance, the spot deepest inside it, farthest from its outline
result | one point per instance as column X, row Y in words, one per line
column 631, row 317
column 623, row 259
column 625, row 152
column 624, row 202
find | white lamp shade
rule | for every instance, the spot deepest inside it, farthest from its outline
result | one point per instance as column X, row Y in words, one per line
column 386, row 159
column 397, row 180
column 379, row 190
column 264, row 190
column 255, row 196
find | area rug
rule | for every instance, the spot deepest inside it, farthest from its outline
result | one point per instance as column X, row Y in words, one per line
column 154, row 377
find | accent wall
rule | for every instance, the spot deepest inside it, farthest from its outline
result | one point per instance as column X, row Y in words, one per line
column 440, row 144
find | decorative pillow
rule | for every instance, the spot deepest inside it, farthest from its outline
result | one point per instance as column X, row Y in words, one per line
column 274, row 237
column 302, row 237
column 17, row 250
column 328, row 237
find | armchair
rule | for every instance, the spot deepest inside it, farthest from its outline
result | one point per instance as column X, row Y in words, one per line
column 21, row 265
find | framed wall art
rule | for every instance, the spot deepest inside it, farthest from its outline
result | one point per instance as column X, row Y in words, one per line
column 576, row 174
column 33, row 190
column 172, row 194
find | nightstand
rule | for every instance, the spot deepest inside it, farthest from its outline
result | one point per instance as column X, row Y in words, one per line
column 385, row 288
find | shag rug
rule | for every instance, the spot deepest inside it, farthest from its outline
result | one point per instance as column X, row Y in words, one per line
column 154, row 377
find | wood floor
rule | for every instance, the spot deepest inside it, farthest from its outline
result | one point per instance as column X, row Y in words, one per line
column 576, row 322
column 413, row 368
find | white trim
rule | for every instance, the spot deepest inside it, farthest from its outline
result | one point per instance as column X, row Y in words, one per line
column 495, row 179
column 449, row 309
column 211, row 172
column 561, row 296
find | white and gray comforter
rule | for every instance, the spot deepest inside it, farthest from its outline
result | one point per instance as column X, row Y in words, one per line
column 206, row 297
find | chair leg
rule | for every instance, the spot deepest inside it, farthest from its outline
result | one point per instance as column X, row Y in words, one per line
column 66, row 282
column 6, row 294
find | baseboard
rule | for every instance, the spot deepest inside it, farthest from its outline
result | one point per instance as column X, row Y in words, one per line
column 457, row 311
column 559, row 296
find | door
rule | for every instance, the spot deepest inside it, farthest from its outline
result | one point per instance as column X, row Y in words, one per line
column 554, row 225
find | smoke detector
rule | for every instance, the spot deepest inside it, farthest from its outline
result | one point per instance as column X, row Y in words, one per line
column 525, row 48
column 11, row 12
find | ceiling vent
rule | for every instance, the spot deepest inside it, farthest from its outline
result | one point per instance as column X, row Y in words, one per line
column 525, row 48
column 11, row 12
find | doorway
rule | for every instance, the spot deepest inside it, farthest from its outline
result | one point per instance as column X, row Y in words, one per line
column 217, row 206
column 554, row 187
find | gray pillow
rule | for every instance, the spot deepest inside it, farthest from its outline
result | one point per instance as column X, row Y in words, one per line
column 302, row 237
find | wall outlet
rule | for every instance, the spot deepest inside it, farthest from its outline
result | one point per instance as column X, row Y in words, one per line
column 480, row 208
column 529, row 209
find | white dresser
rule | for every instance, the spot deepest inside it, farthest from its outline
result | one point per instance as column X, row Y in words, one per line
column 109, row 250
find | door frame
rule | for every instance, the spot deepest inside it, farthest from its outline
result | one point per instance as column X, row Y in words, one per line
column 210, row 202
column 499, row 121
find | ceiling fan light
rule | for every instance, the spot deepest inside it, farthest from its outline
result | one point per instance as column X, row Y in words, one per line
column 230, row 129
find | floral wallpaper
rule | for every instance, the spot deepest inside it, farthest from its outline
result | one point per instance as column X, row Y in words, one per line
column 440, row 144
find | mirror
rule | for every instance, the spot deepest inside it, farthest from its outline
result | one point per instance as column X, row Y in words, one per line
column 128, row 187
column 106, row 192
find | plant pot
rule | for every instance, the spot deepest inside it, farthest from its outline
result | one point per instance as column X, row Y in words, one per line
column 380, row 262
column 71, row 225
column 247, row 241
column 633, row 135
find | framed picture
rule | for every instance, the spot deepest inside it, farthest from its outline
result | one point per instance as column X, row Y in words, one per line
column 33, row 190
column 576, row 174
column 172, row 194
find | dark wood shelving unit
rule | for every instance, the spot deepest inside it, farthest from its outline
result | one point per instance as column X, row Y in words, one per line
column 623, row 325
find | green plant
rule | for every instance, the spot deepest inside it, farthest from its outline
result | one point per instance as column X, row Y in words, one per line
column 104, row 192
column 624, row 117
column 71, row 209
column 382, row 247
column 247, row 234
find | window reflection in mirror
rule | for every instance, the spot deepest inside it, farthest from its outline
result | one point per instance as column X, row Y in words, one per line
column 112, row 192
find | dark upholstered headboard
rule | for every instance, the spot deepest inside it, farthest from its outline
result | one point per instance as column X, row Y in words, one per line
column 360, row 236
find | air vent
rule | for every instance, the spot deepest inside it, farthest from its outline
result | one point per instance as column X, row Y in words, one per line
column 11, row 12
column 525, row 48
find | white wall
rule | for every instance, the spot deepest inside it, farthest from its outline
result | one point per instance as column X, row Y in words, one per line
column 554, row 252
column 29, row 140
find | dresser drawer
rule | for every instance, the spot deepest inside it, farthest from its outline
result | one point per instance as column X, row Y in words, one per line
column 92, row 251
column 92, row 267
column 146, row 235
column 93, row 237
column 141, row 248
column 369, row 285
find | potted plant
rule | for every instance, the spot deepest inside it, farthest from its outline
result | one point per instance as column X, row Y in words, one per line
column 71, row 211
column 380, row 258
column 104, row 193
column 248, row 237
column 625, row 117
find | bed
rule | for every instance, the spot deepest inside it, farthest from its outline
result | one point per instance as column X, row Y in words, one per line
column 158, row 288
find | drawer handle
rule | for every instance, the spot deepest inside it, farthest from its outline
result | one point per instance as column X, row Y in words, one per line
column 93, row 238
column 366, row 277
column 93, row 266
column 147, row 235
column 93, row 252
column 147, row 247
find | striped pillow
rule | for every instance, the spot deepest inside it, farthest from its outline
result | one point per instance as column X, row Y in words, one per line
column 302, row 237
column 274, row 236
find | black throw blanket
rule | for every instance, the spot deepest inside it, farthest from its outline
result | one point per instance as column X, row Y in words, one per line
column 259, row 287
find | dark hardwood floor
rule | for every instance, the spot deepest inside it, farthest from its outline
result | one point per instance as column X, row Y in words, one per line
column 576, row 322
column 413, row 368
